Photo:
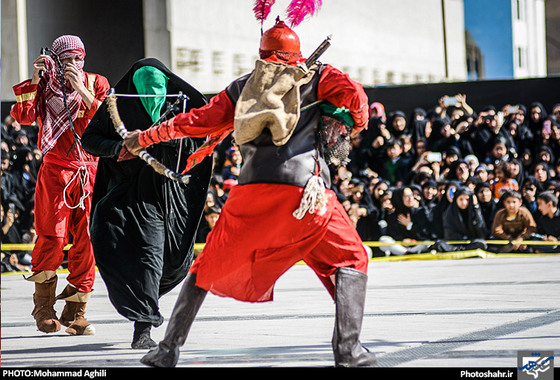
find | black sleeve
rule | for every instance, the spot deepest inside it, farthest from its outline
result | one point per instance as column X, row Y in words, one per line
column 100, row 139
column 421, row 224
column 479, row 225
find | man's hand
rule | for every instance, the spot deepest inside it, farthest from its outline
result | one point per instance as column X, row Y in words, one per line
column 76, row 80
column 74, row 76
column 38, row 65
column 131, row 142
column 125, row 155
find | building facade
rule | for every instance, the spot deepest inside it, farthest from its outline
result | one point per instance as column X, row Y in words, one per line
column 376, row 42
column 209, row 43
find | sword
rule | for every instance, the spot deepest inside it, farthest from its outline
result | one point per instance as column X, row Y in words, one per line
column 315, row 55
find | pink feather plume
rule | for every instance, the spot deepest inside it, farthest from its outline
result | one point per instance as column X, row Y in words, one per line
column 298, row 10
column 262, row 9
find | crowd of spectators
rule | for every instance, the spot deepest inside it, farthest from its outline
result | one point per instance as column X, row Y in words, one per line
column 445, row 174
column 21, row 160
column 407, row 173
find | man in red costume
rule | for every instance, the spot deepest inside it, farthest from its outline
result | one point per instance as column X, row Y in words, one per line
column 62, row 99
column 282, row 211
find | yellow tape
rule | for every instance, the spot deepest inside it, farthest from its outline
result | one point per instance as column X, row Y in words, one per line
column 454, row 242
column 29, row 247
column 460, row 255
column 199, row 246
column 24, row 247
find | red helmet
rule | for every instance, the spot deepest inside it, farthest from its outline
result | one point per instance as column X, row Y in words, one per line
column 280, row 41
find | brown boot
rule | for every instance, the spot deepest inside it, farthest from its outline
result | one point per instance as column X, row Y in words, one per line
column 73, row 314
column 44, row 299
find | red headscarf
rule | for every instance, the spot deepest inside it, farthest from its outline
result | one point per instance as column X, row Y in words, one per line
column 55, row 115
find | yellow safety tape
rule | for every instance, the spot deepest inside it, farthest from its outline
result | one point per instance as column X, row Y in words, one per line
column 421, row 256
column 29, row 247
column 198, row 246
column 24, row 247
column 460, row 255
column 454, row 242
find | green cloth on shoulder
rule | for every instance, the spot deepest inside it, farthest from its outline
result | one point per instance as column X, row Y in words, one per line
column 341, row 114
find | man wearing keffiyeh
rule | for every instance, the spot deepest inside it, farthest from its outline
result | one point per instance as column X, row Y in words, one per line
column 61, row 102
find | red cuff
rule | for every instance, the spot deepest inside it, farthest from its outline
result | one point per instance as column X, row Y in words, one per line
column 143, row 140
column 125, row 155
column 361, row 117
column 25, row 87
column 156, row 134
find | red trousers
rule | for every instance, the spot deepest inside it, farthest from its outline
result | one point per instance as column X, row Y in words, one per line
column 256, row 240
column 55, row 221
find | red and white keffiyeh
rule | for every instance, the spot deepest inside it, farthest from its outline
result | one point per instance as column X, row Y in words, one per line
column 55, row 119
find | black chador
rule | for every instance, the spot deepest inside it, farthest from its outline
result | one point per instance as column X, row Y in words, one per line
column 143, row 225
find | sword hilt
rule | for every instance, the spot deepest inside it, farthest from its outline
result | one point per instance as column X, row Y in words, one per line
column 316, row 54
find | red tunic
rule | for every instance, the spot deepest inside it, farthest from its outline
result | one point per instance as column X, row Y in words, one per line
column 256, row 238
column 54, row 220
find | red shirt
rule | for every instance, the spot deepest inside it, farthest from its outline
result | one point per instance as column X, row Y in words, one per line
column 25, row 111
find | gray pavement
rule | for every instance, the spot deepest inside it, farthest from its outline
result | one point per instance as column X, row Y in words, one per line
column 471, row 313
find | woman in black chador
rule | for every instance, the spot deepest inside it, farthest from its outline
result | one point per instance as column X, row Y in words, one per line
column 463, row 221
column 143, row 225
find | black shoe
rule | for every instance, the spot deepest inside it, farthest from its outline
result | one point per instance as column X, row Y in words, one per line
column 143, row 342
column 141, row 338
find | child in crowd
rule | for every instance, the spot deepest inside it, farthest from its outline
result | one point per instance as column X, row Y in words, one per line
column 514, row 223
column 504, row 180
column 393, row 166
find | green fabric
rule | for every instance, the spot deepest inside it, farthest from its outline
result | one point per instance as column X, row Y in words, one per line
column 341, row 114
column 392, row 169
column 151, row 81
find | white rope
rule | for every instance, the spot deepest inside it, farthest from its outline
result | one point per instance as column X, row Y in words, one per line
column 83, row 175
column 314, row 197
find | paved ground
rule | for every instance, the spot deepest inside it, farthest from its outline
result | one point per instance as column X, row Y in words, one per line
column 472, row 313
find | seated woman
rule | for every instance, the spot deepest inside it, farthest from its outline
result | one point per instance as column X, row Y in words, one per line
column 488, row 205
column 463, row 221
column 408, row 223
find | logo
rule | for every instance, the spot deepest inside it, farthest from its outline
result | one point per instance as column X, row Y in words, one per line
column 532, row 365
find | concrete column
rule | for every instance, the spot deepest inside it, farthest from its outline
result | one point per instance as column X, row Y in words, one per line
column 14, row 46
column 157, row 37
